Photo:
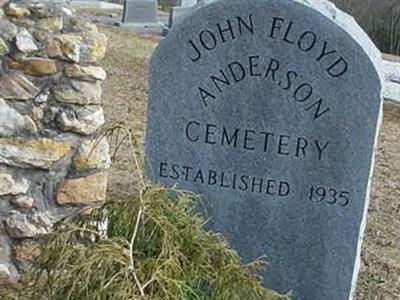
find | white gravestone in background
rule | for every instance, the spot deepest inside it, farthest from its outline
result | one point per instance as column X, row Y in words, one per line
column 140, row 12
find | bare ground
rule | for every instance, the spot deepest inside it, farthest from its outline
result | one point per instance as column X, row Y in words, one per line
column 125, row 96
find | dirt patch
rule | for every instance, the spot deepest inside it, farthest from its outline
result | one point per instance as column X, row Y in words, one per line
column 380, row 269
column 125, row 95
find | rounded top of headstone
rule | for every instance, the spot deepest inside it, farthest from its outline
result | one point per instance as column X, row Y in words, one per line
column 330, row 11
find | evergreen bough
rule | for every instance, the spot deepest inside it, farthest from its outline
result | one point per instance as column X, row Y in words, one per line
column 147, row 245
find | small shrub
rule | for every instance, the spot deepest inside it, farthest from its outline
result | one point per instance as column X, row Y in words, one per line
column 147, row 245
column 153, row 247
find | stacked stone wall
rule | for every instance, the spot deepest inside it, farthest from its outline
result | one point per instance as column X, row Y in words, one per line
column 52, row 162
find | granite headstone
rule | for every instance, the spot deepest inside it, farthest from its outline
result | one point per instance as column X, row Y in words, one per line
column 177, row 14
column 140, row 12
column 188, row 3
column 170, row 3
column 270, row 109
column 178, row 3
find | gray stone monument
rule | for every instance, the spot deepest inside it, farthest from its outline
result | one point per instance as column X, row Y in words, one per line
column 270, row 110
column 140, row 12
column 188, row 3
column 178, row 3
column 169, row 3
column 177, row 14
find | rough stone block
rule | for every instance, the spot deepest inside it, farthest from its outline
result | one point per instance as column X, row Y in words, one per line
column 83, row 191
